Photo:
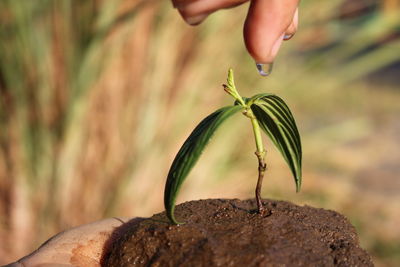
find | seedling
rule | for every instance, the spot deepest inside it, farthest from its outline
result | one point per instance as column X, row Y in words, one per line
column 265, row 111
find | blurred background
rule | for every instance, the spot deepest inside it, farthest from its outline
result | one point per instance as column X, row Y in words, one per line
column 96, row 97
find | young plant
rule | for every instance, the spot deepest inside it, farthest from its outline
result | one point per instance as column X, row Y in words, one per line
column 265, row 111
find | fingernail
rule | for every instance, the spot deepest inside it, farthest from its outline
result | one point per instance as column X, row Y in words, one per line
column 287, row 36
column 264, row 69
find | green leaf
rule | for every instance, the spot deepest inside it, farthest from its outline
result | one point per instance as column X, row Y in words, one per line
column 190, row 153
column 278, row 123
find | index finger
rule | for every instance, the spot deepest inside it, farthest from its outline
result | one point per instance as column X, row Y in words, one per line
column 265, row 26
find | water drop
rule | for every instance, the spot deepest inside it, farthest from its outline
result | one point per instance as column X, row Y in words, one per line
column 264, row 69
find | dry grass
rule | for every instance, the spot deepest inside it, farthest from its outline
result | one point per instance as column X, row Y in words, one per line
column 96, row 99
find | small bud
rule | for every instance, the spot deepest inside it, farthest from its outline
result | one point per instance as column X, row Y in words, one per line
column 230, row 80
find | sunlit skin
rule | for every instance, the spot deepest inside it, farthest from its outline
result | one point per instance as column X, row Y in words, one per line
column 268, row 22
column 79, row 246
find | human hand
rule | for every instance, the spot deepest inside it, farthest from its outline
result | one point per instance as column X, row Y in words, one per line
column 80, row 246
column 268, row 22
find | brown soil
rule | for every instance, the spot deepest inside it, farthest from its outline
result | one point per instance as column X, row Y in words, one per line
column 229, row 233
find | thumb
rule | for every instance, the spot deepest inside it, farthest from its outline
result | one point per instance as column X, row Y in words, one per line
column 265, row 27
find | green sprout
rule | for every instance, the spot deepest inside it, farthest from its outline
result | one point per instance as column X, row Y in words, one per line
column 265, row 111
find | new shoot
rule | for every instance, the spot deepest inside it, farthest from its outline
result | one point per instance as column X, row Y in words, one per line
column 267, row 113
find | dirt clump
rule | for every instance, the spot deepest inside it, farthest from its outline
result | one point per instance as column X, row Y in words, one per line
column 221, row 232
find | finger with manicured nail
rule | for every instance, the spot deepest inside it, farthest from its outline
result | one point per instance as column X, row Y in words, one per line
column 291, row 30
column 266, row 24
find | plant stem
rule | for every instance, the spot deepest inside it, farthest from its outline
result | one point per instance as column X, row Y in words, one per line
column 262, row 166
column 230, row 88
column 257, row 134
column 260, row 153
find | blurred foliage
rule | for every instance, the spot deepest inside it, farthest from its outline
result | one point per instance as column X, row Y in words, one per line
column 94, row 101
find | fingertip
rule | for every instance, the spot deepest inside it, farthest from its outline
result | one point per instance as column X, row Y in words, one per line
column 265, row 28
column 195, row 11
column 252, row 44
column 191, row 19
column 196, row 20
column 262, row 50
column 292, row 29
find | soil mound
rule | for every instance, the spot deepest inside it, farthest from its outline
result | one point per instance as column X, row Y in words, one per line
column 220, row 232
